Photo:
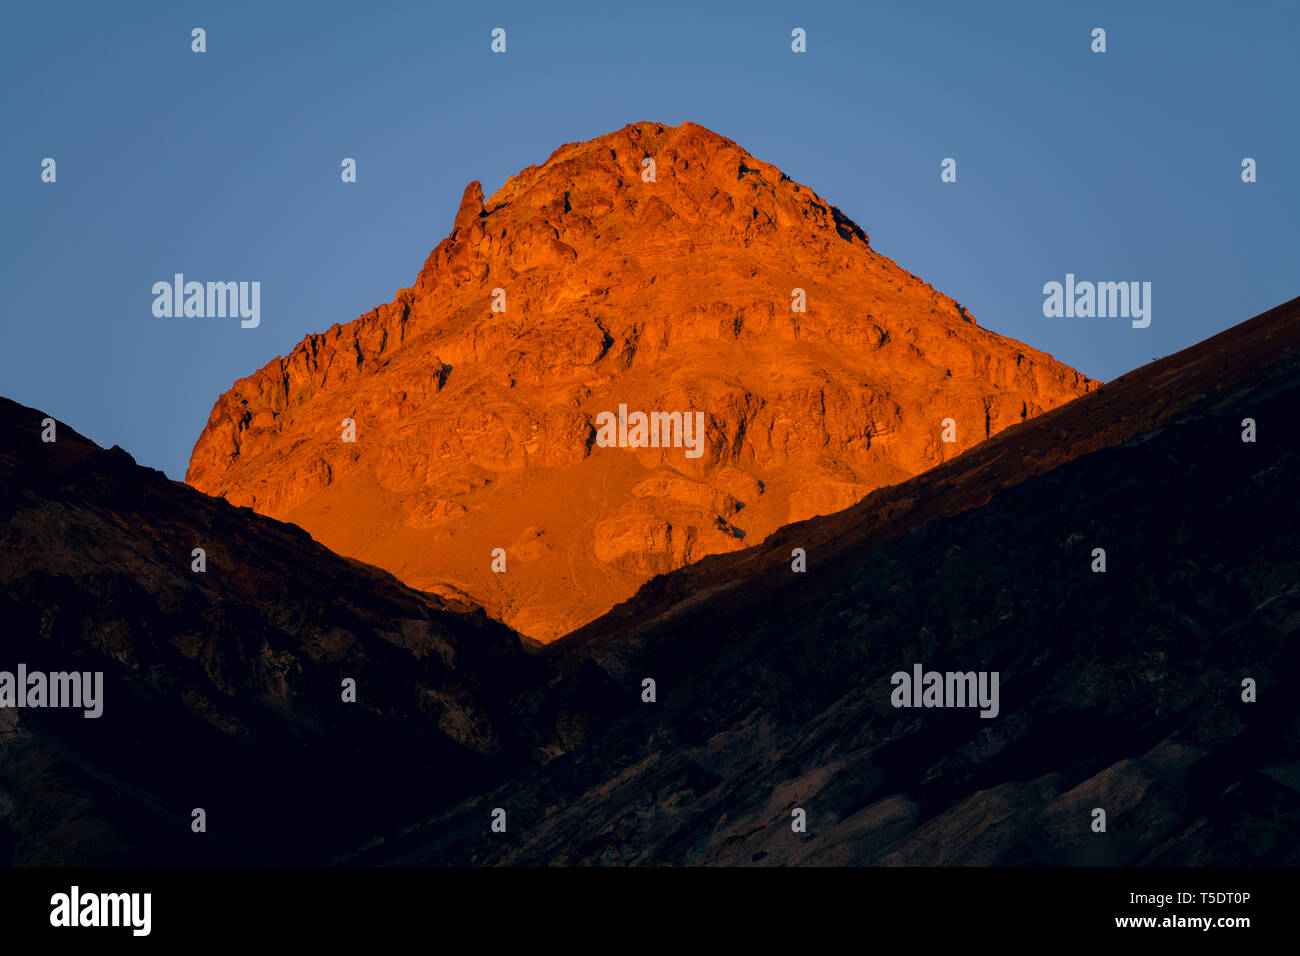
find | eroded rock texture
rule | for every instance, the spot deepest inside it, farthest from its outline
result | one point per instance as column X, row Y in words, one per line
column 475, row 429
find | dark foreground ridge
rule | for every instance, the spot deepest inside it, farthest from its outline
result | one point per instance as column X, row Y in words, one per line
column 222, row 689
column 1120, row 691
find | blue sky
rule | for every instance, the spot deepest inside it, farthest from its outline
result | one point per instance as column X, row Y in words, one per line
column 225, row 166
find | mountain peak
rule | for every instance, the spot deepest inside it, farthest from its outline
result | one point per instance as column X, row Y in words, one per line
column 655, row 270
column 626, row 187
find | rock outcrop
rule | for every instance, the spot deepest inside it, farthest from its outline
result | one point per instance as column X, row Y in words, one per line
column 659, row 268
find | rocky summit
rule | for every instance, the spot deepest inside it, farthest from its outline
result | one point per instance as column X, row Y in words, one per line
column 518, row 427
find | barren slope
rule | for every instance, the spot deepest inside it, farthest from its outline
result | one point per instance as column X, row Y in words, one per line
column 222, row 688
column 1119, row 690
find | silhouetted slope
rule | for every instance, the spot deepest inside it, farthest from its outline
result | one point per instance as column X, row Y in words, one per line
column 1119, row 690
column 223, row 689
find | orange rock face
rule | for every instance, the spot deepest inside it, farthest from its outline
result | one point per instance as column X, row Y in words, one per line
column 596, row 281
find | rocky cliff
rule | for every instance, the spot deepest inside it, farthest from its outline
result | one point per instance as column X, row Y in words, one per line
column 662, row 269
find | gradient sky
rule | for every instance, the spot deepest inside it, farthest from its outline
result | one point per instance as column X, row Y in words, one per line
column 225, row 165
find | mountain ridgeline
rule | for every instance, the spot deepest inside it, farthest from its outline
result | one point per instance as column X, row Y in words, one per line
column 1157, row 691
column 655, row 276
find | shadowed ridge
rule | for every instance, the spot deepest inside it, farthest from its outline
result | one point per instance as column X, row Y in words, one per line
column 1158, row 691
column 223, row 689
